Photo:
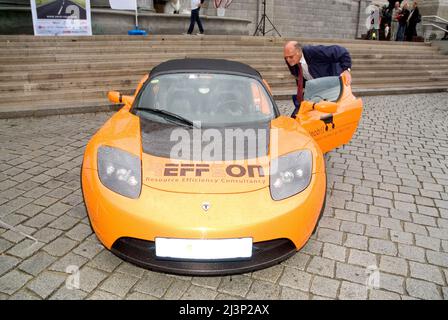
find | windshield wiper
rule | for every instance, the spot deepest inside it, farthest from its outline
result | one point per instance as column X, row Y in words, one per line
column 168, row 116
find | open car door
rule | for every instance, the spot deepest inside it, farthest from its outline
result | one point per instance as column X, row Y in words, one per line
column 329, row 112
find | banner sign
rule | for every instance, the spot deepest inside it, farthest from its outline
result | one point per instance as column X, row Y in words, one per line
column 123, row 4
column 61, row 17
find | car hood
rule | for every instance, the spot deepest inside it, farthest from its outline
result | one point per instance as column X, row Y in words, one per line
column 151, row 142
column 187, row 160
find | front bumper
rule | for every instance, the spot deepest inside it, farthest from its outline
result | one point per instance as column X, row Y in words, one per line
column 264, row 254
column 129, row 227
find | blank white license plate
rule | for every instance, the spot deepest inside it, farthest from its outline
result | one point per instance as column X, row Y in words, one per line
column 210, row 249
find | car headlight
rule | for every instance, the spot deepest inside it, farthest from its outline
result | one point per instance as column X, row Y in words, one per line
column 120, row 171
column 290, row 174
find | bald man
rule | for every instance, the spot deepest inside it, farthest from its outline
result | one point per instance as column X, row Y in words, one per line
column 311, row 62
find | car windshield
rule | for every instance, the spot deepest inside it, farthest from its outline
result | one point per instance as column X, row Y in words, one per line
column 327, row 88
column 211, row 99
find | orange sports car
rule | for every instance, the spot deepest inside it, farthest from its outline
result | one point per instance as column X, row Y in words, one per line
column 199, row 174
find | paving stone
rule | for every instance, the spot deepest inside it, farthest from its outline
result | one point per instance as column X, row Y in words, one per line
column 357, row 242
column 331, row 236
column 37, row 263
column 362, row 258
column 25, row 249
column 389, row 223
column 426, row 272
column 437, row 258
column 422, row 289
column 64, row 223
column 352, row 227
column 402, row 237
column 312, row 247
column 46, row 283
column 119, row 284
column 325, row 287
column 351, row 273
column 106, row 261
column 30, row 210
column 383, row 295
column 300, row 260
column 199, row 293
column 5, row 245
column 428, row 242
column 102, row 295
column 368, row 219
column 295, row 279
column 394, row 265
column 155, row 284
column 293, row 294
column 235, row 285
column 374, row 232
column 18, row 234
column 24, row 294
column 13, row 281
column 411, row 253
column 415, row 228
column 79, row 232
column 90, row 278
column 140, row 296
column 392, row 283
column 177, row 290
column 68, row 262
column 130, row 269
column 57, row 209
column 334, row 252
column 7, row 263
column 46, row 235
column 382, row 247
column 263, row 290
column 89, row 249
column 207, row 282
column 352, row 291
column 68, row 294
column 60, row 247
column 45, row 201
column 39, row 221
column 271, row 274
column 321, row 266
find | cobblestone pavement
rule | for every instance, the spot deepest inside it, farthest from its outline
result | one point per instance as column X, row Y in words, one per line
column 386, row 216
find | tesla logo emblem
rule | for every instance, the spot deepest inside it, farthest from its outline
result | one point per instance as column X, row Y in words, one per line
column 206, row 206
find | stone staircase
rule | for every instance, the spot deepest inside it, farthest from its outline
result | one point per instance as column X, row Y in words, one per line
column 48, row 75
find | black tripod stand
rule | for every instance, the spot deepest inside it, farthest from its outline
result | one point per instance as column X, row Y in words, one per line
column 261, row 27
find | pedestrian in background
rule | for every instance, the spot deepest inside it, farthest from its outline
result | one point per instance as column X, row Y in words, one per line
column 413, row 19
column 394, row 22
column 194, row 18
column 402, row 22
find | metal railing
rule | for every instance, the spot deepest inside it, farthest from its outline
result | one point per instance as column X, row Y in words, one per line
column 430, row 22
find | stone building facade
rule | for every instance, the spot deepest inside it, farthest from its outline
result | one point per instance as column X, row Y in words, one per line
column 292, row 18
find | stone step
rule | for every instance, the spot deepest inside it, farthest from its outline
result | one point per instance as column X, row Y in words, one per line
column 280, row 71
column 48, row 52
column 274, row 79
column 378, row 58
column 81, row 91
column 216, row 38
column 59, row 107
column 68, row 94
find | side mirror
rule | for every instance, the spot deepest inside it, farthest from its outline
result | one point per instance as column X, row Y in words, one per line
column 117, row 97
column 326, row 107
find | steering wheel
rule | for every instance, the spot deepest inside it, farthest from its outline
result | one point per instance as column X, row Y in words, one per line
column 231, row 107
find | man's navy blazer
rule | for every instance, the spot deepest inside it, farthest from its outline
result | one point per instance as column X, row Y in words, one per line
column 324, row 61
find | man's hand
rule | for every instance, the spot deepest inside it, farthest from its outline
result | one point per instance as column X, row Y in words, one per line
column 348, row 77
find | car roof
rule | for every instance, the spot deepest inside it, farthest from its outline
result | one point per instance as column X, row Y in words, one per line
column 204, row 65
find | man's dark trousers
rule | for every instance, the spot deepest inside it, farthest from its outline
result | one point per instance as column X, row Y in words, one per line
column 195, row 18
